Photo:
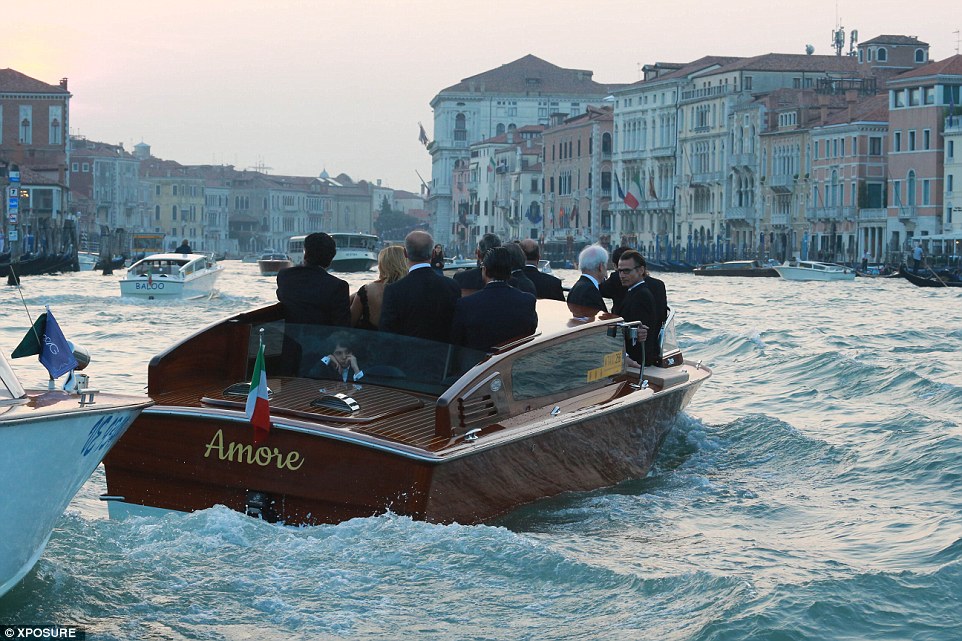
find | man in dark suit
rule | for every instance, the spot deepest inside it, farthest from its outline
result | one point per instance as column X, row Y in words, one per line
column 546, row 285
column 519, row 279
column 422, row 303
column 308, row 293
column 470, row 280
column 496, row 314
column 658, row 292
column 639, row 305
column 584, row 299
column 611, row 287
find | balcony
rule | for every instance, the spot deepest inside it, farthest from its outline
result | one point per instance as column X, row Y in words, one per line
column 782, row 182
column 744, row 160
column 780, row 220
column 836, row 212
column 663, row 151
column 873, row 214
column 908, row 213
column 707, row 178
column 656, row 204
column 707, row 92
column 741, row 213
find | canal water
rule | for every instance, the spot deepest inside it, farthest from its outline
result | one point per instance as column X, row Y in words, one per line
column 810, row 491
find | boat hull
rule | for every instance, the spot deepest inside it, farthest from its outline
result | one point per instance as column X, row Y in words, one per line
column 799, row 274
column 195, row 286
column 45, row 456
column 920, row 281
column 187, row 459
column 760, row 272
column 271, row 267
column 353, row 261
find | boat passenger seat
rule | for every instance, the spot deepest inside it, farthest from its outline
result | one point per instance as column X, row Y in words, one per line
column 666, row 376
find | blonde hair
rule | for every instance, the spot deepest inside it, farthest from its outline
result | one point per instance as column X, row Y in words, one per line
column 392, row 265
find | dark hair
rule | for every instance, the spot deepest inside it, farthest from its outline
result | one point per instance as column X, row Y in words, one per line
column 517, row 255
column 616, row 255
column 497, row 263
column 633, row 256
column 532, row 251
column 319, row 249
column 488, row 241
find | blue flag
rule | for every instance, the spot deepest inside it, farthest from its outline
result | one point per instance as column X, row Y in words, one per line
column 56, row 354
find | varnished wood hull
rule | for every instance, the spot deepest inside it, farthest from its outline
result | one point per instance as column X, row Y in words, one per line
column 171, row 459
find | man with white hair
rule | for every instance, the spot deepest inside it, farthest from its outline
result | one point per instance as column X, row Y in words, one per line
column 585, row 295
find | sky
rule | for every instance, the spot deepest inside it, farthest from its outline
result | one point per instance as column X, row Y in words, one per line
column 295, row 87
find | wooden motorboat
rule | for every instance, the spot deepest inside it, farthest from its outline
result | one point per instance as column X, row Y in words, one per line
column 814, row 270
column 50, row 442
column 171, row 276
column 431, row 431
column 736, row 268
column 272, row 262
column 932, row 280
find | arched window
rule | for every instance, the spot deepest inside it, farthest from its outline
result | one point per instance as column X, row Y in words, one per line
column 500, row 129
column 460, row 128
column 920, row 55
column 606, row 143
column 882, row 55
column 910, row 188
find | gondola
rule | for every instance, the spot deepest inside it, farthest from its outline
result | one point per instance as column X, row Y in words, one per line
column 922, row 281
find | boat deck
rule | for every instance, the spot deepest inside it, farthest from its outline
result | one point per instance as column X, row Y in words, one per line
column 402, row 417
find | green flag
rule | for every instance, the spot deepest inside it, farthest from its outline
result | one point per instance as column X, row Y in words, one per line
column 30, row 345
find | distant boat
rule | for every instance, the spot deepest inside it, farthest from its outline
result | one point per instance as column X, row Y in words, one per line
column 51, row 444
column 273, row 262
column 751, row 268
column 355, row 251
column 171, row 276
column 454, row 264
column 813, row 270
column 943, row 280
column 87, row 260
column 35, row 265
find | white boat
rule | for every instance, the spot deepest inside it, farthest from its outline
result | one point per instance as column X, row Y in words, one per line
column 171, row 276
column 355, row 251
column 87, row 260
column 50, row 443
column 272, row 262
column 454, row 264
column 813, row 270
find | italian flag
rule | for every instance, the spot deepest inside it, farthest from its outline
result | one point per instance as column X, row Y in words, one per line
column 258, row 411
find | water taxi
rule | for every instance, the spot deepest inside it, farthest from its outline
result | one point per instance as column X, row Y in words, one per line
column 355, row 251
column 424, row 429
column 171, row 276
column 814, row 270
column 272, row 262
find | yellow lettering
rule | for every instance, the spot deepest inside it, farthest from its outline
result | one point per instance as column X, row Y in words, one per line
column 261, row 460
column 240, row 450
column 246, row 453
column 216, row 443
column 293, row 457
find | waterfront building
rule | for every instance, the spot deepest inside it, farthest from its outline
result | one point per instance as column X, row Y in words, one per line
column 577, row 177
column 352, row 204
column 645, row 139
column 216, row 211
column 704, row 176
column 34, row 126
column 523, row 92
column 105, row 190
column 918, row 101
column 952, row 143
column 175, row 201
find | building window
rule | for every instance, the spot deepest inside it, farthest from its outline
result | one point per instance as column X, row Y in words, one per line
column 926, row 190
column 920, row 55
column 882, row 55
column 875, row 146
column 949, row 182
column 748, row 83
column 928, row 95
column 912, row 140
column 910, row 188
column 926, row 138
column 173, row 213
column 460, row 128
column 897, row 141
column 55, row 134
column 915, row 97
column 75, row 167
column 26, row 127
column 899, row 97
column 86, row 167
column 951, row 150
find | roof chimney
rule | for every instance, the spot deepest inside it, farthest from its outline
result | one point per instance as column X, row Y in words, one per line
column 63, row 83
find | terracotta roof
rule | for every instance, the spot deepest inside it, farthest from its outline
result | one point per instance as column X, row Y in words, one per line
column 894, row 40
column 948, row 67
column 532, row 75
column 870, row 109
column 15, row 82
column 793, row 62
column 689, row 68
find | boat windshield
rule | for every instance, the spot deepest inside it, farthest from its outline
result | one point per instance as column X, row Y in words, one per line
column 10, row 387
column 403, row 362
column 158, row 267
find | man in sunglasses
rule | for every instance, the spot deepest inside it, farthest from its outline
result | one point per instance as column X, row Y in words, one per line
column 639, row 305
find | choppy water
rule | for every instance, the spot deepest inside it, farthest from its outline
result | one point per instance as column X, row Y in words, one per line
column 811, row 491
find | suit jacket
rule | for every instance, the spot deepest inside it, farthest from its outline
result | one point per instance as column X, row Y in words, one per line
column 639, row 305
column 657, row 289
column 520, row 280
column 312, row 296
column 493, row 315
column 420, row 304
column 585, row 294
column 546, row 285
column 470, row 279
column 613, row 289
